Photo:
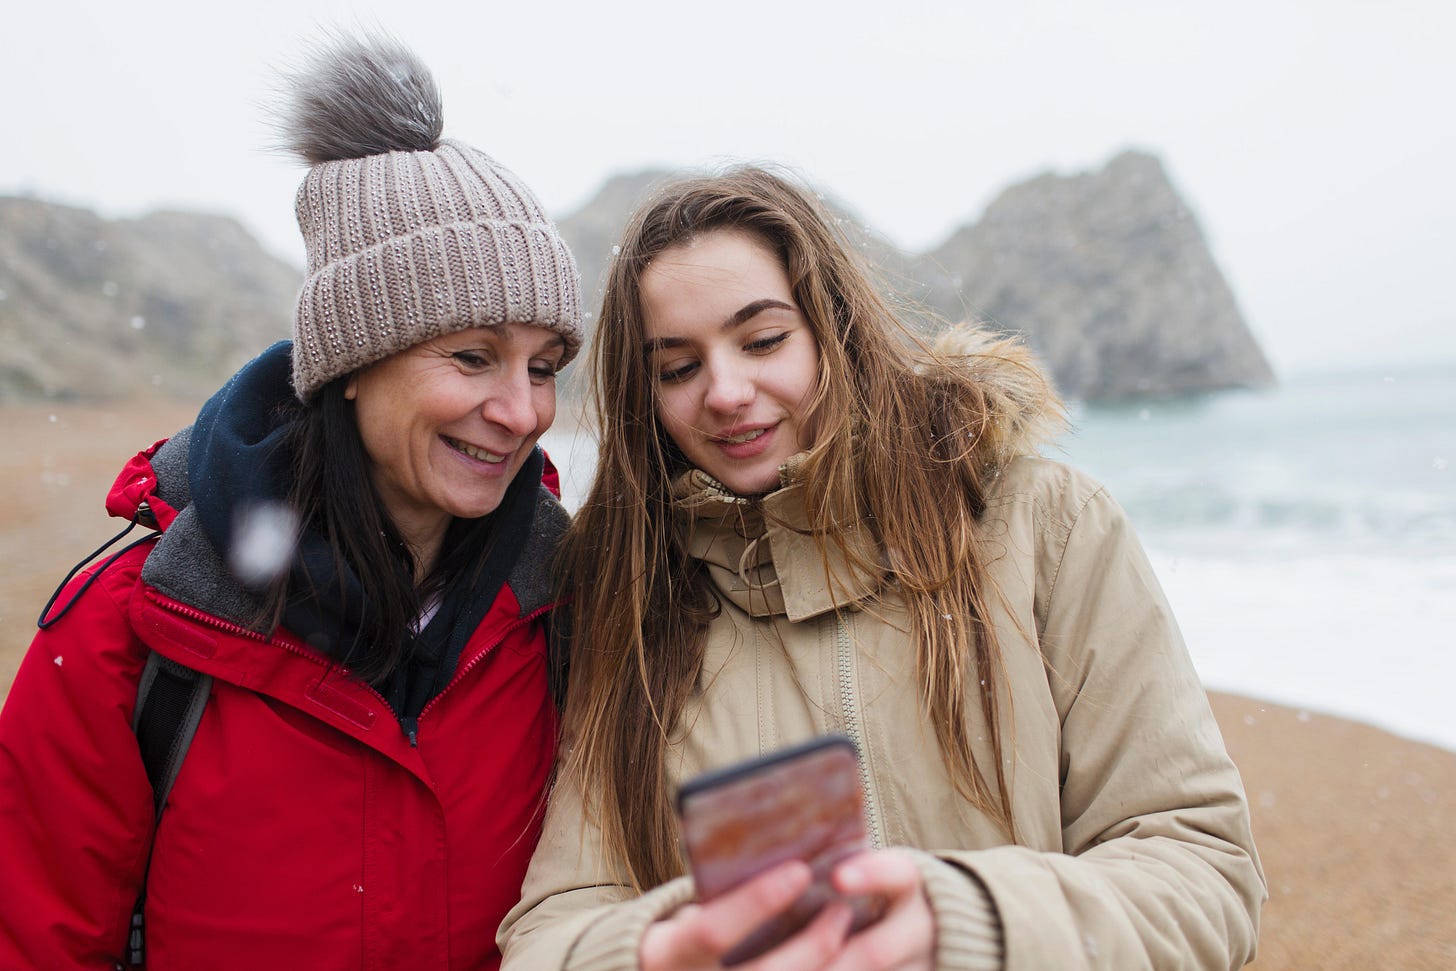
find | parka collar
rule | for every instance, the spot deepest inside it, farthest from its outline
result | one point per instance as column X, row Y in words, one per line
column 759, row 551
column 761, row 554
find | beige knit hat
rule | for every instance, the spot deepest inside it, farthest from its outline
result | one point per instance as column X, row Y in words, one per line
column 408, row 236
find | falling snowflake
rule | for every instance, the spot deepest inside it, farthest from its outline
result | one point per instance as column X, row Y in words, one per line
column 264, row 537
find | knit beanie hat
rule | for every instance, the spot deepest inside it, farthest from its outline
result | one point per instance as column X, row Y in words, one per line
column 409, row 236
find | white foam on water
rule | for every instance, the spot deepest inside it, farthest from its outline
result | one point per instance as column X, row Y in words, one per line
column 1361, row 636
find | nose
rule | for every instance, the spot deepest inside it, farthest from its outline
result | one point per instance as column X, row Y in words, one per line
column 730, row 387
column 511, row 404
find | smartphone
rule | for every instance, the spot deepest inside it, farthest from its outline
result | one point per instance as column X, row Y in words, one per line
column 800, row 803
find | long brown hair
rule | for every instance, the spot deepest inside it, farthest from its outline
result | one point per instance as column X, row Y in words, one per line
column 896, row 422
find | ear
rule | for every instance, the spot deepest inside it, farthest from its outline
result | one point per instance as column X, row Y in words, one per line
column 351, row 390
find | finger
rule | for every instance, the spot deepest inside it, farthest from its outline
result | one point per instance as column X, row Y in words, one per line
column 710, row 930
column 748, row 905
column 903, row 939
column 813, row 947
column 667, row 946
column 885, row 873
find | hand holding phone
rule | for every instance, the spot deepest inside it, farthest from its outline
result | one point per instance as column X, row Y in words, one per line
column 696, row 937
column 803, row 803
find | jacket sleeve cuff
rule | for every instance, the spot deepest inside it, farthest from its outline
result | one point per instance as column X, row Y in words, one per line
column 612, row 943
column 967, row 928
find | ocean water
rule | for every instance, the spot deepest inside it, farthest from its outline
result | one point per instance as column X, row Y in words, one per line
column 1306, row 536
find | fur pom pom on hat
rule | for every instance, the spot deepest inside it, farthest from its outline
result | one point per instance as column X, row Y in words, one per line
column 408, row 235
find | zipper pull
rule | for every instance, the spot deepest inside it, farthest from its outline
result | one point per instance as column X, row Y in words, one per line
column 411, row 728
column 136, row 950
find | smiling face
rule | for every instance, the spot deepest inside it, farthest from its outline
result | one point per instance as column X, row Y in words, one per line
column 734, row 357
column 448, row 423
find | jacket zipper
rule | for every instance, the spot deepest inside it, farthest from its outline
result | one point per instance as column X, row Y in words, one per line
column 209, row 620
column 410, row 726
column 848, row 699
column 507, row 631
column 217, row 623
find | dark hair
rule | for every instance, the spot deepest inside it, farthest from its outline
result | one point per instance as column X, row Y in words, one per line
column 333, row 493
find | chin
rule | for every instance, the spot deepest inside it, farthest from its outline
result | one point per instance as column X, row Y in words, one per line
column 753, row 485
column 476, row 509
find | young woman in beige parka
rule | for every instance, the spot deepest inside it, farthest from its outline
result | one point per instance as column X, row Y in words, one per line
column 803, row 521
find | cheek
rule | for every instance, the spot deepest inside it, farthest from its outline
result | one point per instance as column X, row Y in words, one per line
column 673, row 410
column 811, row 367
column 378, row 429
column 399, row 428
column 545, row 399
column 806, row 377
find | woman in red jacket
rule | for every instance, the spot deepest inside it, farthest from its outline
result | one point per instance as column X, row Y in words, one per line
column 352, row 539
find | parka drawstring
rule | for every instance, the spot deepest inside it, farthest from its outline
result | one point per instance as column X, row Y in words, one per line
column 747, row 561
column 42, row 622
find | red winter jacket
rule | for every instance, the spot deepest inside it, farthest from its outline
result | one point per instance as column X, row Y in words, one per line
column 303, row 830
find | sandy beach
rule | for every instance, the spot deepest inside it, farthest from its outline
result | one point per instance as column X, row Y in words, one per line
column 1353, row 824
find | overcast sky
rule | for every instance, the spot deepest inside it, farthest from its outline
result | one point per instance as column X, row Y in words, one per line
column 1314, row 140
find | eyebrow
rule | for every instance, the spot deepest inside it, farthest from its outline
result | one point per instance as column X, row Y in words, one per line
column 746, row 312
column 550, row 344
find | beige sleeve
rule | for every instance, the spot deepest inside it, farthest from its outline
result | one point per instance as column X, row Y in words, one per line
column 575, row 912
column 967, row 930
column 1159, row 868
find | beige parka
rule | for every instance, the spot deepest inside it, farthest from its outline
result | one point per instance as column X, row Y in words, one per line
column 1135, row 849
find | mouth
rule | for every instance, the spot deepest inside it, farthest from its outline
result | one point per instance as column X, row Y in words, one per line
column 740, row 439
column 479, row 454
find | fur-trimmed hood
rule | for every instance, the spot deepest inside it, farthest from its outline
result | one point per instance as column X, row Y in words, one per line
column 1026, row 412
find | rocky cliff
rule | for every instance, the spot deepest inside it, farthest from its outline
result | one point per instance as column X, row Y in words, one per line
column 1105, row 273
column 1108, row 276
column 595, row 228
column 91, row 308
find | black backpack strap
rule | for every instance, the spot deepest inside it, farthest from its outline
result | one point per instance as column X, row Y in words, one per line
column 170, row 700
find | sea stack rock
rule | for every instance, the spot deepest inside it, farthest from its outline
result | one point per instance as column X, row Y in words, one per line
column 1108, row 277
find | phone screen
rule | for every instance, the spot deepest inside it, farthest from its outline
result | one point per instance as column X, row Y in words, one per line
column 802, row 803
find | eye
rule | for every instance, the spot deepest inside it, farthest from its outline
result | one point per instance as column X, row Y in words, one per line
column 766, row 344
column 543, row 371
column 470, row 360
column 675, row 375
